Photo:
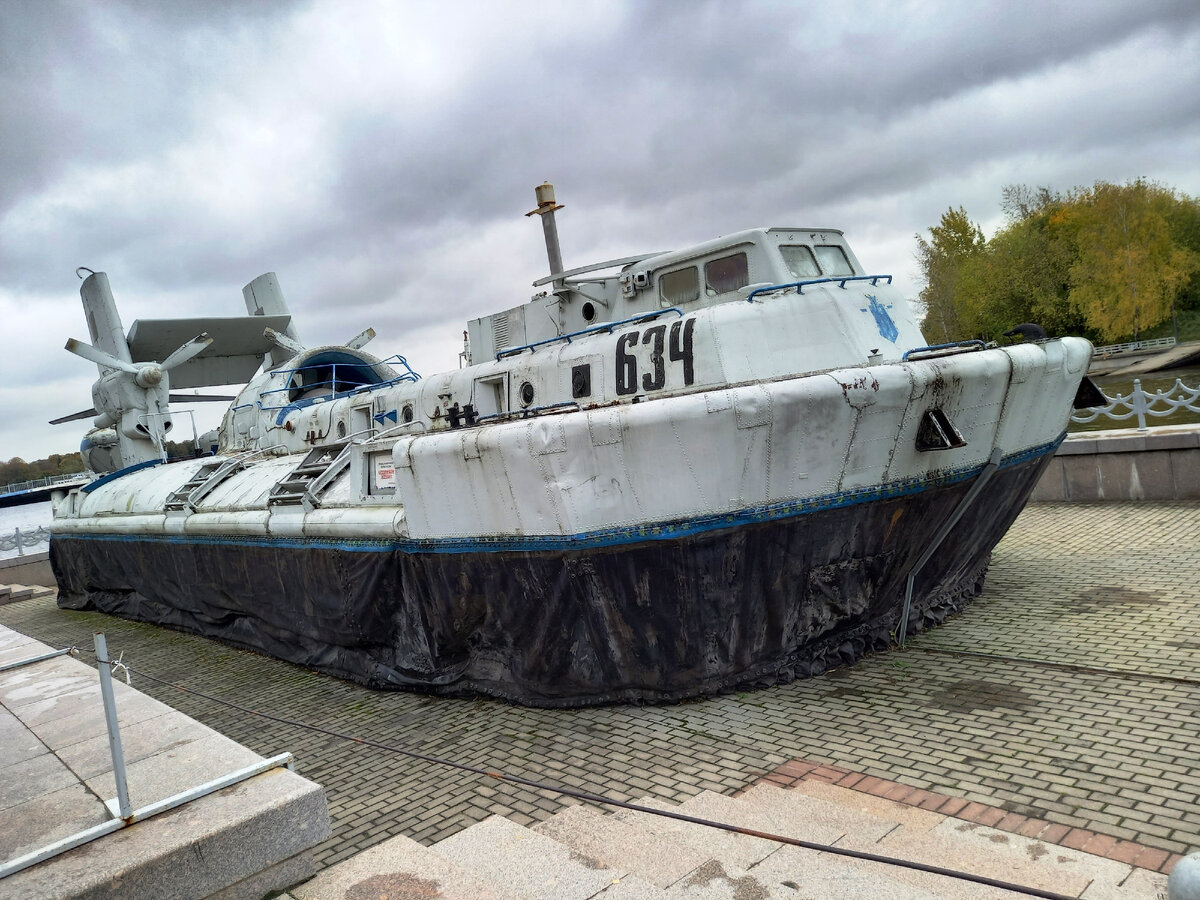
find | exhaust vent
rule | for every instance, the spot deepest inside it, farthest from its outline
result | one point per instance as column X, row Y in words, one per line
column 500, row 330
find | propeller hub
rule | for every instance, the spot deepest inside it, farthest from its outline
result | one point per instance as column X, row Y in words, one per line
column 149, row 376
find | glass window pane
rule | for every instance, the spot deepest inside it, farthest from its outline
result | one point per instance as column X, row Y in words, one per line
column 680, row 287
column 799, row 260
column 833, row 261
column 726, row 274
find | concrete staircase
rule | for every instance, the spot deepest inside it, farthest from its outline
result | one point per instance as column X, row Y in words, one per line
column 583, row 852
column 14, row 593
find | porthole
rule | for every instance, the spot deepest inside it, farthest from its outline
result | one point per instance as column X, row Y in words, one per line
column 526, row 393
column 407, row 413
column 341, row 429
column 589, row 312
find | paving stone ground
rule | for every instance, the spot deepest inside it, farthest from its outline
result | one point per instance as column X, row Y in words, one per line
column 1069, row 691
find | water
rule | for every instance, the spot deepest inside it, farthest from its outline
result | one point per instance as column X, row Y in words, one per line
column 27, row 518
column 1153, row 381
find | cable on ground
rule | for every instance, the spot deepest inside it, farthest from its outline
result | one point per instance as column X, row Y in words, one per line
column 610, row 801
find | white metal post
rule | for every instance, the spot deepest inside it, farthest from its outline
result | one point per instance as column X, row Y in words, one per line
column 124, row 809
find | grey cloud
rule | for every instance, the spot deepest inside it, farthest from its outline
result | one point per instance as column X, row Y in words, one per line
column 672, row 122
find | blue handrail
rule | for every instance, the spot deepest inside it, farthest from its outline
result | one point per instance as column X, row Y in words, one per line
column 591, row 329
column 801, row 285
column 974, row 344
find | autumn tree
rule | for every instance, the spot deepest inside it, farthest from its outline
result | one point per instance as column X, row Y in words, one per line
column 1129, row 270
column 1106, row 262
column 954, row 241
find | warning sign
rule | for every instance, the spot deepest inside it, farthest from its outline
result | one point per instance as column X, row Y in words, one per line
column 384, row 472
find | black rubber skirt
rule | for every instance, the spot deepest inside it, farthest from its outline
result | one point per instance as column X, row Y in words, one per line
column 651, row 620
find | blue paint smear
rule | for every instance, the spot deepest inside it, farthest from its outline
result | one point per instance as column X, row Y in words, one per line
column 887, row 328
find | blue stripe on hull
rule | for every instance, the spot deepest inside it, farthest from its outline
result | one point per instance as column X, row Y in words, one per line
column 611, row 537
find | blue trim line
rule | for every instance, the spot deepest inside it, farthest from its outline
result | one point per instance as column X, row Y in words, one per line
column 113, row 476
column 610, row 537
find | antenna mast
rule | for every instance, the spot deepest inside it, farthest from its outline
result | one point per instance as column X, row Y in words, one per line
column 546, row 208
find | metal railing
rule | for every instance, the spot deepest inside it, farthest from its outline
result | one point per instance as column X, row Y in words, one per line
column 47, row 481
column 119, row 807
column 1141, row 404
column 1133, row 346
column 839, row 280
column 329, row 381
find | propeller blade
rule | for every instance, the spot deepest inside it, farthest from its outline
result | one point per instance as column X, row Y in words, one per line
column 99, row 357
column 74, row 417
column 361, row 339
column 200, row 398
column 193, row 347
column 282, row 340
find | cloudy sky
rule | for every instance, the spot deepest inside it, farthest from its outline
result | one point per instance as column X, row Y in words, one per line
column 380, row 156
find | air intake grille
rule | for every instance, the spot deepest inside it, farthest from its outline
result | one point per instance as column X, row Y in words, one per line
column 500, row 330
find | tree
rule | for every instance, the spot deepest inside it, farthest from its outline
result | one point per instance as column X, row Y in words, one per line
column 1129, row 270
column 1106, row 262
column 951, row 243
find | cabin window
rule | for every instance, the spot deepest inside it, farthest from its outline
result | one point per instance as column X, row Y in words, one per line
column 800, row 261
column 833, row 260
column 726, row 274
column 682, row 286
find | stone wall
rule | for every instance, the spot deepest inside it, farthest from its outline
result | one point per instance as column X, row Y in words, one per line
column 30, row 569
column 1157, row 464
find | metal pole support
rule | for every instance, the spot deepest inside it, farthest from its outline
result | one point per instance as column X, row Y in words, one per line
column 1139, row 403
column 1184, row 881
column 124, row 810
column 20, row 546
column 33, row 659
column 992, row 465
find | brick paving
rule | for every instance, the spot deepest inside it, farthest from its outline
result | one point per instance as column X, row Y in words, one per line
column 1104, row 740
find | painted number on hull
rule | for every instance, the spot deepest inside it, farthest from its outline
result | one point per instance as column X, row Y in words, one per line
column 661, row 348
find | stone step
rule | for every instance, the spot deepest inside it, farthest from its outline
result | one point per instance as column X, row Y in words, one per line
column 736, row 851
column 15, row 593
column 735, row 811
column 790, row 809
column 803, row 818
column 397, row 868
column 792, row 873
column 535, row 866
column 657, row 858
column 956, row 844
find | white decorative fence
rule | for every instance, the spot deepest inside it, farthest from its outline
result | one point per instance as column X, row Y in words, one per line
column 1141, row 404
column 23, row 539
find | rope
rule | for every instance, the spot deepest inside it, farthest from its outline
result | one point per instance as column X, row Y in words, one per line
column 609, row 801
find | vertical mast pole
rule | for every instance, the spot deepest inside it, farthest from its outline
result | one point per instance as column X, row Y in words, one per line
column 546, row 208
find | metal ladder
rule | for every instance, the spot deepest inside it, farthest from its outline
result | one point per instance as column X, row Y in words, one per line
column 316, row 471
column 201, row 484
